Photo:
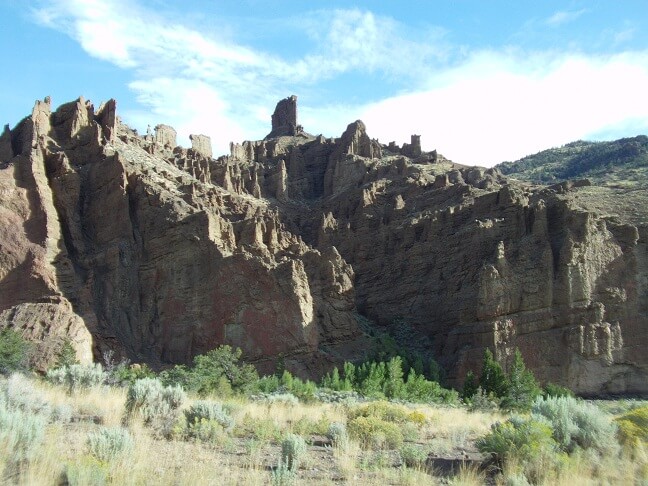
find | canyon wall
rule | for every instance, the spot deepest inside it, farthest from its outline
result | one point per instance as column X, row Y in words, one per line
column 128, row 242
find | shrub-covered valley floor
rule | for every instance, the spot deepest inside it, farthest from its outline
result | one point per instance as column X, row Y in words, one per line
column 83, row 425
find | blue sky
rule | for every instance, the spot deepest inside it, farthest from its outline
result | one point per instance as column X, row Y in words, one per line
column 482, row 82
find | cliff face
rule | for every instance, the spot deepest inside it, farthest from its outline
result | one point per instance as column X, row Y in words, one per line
column 132, row 250
column 163, row 252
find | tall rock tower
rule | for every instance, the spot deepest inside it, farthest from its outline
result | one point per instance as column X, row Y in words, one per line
column 284, row 119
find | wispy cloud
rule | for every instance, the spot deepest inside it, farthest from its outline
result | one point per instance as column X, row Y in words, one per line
column 564, row 16
column 169, row 59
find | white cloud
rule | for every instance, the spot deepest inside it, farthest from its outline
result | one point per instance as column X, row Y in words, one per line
column 564, row 17
column 501, row 106
column 190, row 106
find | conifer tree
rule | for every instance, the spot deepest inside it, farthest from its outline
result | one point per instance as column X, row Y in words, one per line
column 393, row 387
column 335, row 379
column 349, row 377
column 493, row 379
column 522, row 385
column 470, row 386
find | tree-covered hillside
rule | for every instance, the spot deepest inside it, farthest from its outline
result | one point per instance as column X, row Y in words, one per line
column 621, row 163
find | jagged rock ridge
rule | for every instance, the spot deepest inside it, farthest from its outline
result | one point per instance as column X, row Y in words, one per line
column 282, row 245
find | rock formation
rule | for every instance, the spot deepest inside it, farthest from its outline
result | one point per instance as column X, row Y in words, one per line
column 283, row 246
column 284, row 119
column 201, row 144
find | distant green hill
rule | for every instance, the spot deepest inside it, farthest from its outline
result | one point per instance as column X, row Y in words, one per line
column 622, row 163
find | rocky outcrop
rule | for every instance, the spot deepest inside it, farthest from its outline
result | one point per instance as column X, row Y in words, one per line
column 49, row 325
column 35, row 267
column 413, row 149
column 201, row 144
column 107, row 119
column 280, row 247
column 284, row 119
column 6, row 150
column 149, row 257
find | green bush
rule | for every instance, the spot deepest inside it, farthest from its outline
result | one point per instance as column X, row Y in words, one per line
column 219, row 372
column 156, row 404
column 470, row 386
column 125, row 374
column 293, row 451
column 20, row 432
column 522, row 438
column 527, row 442
column 14, row 351
column 386, row 379
column 394, row 386
column 211, row 411
column 304, row 390
column 552, row 390
column 282, row 475
column 633, row 427
column 66, row 355
column 268, row 384
column 389, row 412
column 109, row 444
column 337, row 433
column 413, row 455
column 374, row 433
column 576, row 423
column 419, row 389
column 77, row 377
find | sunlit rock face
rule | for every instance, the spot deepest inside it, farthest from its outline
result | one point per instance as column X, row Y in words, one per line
column 119, row 241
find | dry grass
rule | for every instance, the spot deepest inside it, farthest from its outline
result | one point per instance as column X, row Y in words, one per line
column 581, row 469
column 469, row 476
column 448, row 430
column 285, row 416
column 243, row 460
column 347, row 456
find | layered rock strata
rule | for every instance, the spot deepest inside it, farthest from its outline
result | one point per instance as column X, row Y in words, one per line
column 283, row 245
